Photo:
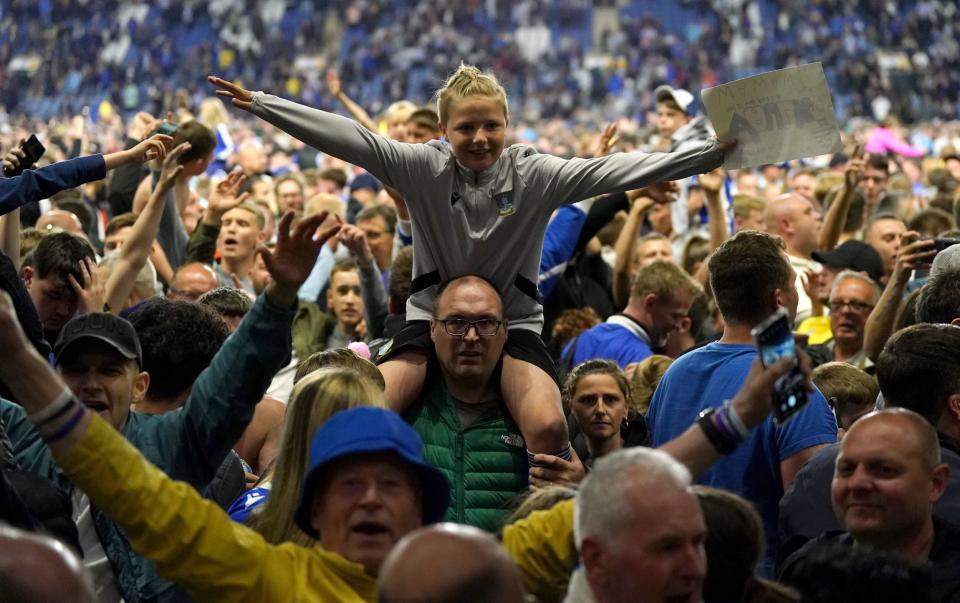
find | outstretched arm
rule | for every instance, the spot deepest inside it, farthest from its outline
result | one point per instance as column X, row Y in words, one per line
column 574, row 179
column 34, row 185
column 403, row 166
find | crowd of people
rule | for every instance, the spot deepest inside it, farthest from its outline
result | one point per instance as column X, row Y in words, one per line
column 559, row 59
column 259, row 350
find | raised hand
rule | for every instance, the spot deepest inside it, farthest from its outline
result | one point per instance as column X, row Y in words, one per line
column 752, row 402
column 152, row 148
column 333, row 82
column 914, row 253
column 171, row 167
column 13, row 160
column 711, row 182
column 142, row 124
column 356, row 241
column 607, row 140
column 292, row 260
column 225, row 195
column 853, row 172
column 91, row 294
column 239, row 96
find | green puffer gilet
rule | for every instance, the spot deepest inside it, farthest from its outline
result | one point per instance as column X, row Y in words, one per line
column 485, row 463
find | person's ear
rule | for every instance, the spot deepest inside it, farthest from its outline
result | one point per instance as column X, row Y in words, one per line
column 140, row 386
column 27, row 274
column 433, row 330
column 594, row 563
column 330, row 299
column 649, row 301
column 777, row 299
column 953, row 407
column 443, row 129
column 941, row 474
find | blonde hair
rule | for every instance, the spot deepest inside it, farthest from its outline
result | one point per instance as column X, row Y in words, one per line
column 399, row 111
column 213, row 112
column 466, row 82
column 315, row 399
column 324, row 202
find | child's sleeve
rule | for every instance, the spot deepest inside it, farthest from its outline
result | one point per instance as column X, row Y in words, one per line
column 570, row 180
column 395, row 164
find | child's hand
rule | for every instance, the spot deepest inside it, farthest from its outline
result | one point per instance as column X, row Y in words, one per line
column 240, row 97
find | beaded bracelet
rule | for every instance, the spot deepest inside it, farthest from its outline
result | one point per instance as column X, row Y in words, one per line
column 722, row 441
column 67, row 427
column 734, row 420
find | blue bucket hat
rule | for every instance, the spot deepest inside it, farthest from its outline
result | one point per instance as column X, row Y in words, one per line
column 368, row 429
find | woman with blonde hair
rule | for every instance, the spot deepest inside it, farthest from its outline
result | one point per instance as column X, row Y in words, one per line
column 269, row 507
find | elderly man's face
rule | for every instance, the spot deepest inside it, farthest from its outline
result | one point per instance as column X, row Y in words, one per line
column 473, row 354
column 850, row 305
column 366, row 503
column 883, row 488
column 659, row 555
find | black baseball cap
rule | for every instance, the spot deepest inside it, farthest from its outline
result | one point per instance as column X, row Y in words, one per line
column 108, row 328
column 853, row 255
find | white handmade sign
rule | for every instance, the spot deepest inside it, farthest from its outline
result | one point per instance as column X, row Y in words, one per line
column 775, row 116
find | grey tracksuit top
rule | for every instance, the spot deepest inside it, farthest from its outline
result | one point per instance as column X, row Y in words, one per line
column 488, row 223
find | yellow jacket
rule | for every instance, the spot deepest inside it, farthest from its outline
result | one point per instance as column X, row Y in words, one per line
column 193, row 542
column 542, row 547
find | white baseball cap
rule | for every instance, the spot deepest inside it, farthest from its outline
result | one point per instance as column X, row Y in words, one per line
column 680, row 96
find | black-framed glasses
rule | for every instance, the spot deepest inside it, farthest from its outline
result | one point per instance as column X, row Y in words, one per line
column 856, row 306
column 458, row 327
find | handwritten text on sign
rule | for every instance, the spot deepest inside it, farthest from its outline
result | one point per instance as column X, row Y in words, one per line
column 774, row 116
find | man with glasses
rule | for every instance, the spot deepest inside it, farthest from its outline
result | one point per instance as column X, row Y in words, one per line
column 852, row 298
column 466, row 429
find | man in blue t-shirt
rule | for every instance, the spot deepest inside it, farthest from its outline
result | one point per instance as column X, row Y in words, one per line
column 751, row 278
column 660, row 300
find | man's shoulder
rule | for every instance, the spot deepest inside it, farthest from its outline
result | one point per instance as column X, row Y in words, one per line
column 714, row 359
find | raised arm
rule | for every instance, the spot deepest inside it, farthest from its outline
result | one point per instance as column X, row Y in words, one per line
column 356, row 111
column 395, row 164
column 136, row 249
column 913, row 253
column 34, row 185
column 574, row 179
column 371, row 286
column 717, row 222
column 225, row 395
column 192, row 541
column 837, row 212
column 626, row 246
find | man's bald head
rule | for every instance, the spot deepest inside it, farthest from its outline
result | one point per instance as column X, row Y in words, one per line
column 191, row 281
column 465, row 564
column 793, row 217
column 36, row 569
column 477, row 283
column 62, row 219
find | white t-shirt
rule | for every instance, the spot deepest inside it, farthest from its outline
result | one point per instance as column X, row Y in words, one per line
column 94, row 557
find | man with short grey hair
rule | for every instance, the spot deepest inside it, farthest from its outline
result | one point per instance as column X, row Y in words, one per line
column 853, row 297
column 632, row 504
